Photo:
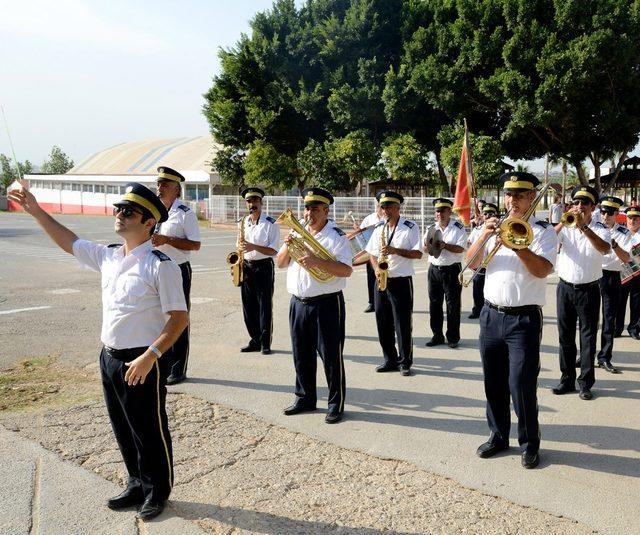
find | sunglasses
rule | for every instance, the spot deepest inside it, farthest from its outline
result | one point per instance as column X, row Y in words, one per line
column 606, row 212
column 125, row 210
column 580, row 201
column 489, row 214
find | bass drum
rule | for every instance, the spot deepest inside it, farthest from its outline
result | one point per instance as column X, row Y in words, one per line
column 631, row 269
column 358, row 241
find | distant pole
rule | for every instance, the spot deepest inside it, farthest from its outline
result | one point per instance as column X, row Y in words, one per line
column 13, row 152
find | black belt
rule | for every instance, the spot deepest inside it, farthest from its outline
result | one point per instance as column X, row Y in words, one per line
column 457, row 265
column 251, row 262
column 316, row 298
column 125, row 355
column 579, row 286
column 611, row 271
column 514, row 311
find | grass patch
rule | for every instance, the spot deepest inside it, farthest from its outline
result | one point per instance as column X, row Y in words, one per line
column 42, row 382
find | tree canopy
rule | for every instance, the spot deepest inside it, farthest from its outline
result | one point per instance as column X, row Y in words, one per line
column 58, row 163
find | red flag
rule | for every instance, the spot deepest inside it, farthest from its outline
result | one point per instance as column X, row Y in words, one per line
column 462, row 200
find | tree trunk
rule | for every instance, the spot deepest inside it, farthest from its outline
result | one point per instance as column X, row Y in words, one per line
column 595, row 160
column 442, row 175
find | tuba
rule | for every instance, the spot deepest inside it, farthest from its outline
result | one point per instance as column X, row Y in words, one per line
column 303, row 244
column 235, row 259
column 383, row 261
column 568, row 220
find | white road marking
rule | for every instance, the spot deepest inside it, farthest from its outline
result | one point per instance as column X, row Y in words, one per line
column 15, row 310
column 63, row 291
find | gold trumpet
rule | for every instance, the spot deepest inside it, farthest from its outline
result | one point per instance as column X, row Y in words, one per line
column 383, row 261
column 514, row 233
column 303, row 244
column 569, row 220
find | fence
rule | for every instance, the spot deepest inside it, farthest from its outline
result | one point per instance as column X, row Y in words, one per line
column 230, row 208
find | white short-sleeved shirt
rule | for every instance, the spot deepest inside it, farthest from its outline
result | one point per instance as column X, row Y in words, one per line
column 371, row 220
column 622, row 235
column 474, row 235
column 635, row 239
column 453, row 234
column 264, row 232
column 507, row 282
column 301, row 284
column 182, row 223
column 579, row 262
column 138, row 291
column 406, row 236
column 555, row 213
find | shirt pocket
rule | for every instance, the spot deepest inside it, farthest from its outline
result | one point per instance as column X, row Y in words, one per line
column 129, row 290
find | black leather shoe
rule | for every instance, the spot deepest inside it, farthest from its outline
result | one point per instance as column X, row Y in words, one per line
column 405, row 371
column 578, row 363
column 333, row 417
column 175, row 379
column 266, row 351
column 474, row 316
column 250, row 348
column 369, row 309
column 150, row 509
column 562, row 389
column 452, row 345
column 386, row 368
column 489, row 449
column 128, row 498
column 608, row 367
column 634, row 334
column 435, row 342
column 297, row 408
column 530, row 460
column 586, row 394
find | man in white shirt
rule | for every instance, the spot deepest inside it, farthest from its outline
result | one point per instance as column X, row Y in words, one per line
column 631, row 290
column 556, row 210
column 144, row 312
column 371, row 220
column 511, row 321
column 317, row 311
column 489, row 211
column 261, row 237
column 177, row 237
column 610, row 283
column 442, row 279
column 394, row 305
column 578, row 294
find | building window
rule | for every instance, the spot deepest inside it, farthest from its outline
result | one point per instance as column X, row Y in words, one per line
column 98, row 188
column 88, row 188
column 113, row 190
column 76, row 187
column 67, row 186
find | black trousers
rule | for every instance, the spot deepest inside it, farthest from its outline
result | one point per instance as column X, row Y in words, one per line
column 579, row 304
column 317, row 328
column 510, row 353
column 371, row 283
column 394, row 313
column 257, row 301
column 178, row 357
column 443, row 285
column 610, row 288
column 139, row 421
column 629, row 292
column 478, row 292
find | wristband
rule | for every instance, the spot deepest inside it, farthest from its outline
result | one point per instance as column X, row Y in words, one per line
column 584, row 227
column 155, row 350
column 614, row 245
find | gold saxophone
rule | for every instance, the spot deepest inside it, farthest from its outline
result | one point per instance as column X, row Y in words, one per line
column 303, row 244
column 235, row 259
column 383, row 261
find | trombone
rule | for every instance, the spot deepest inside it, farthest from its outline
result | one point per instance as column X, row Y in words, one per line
column 514, row 232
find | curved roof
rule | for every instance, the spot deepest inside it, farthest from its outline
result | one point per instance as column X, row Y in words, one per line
column 143, row 157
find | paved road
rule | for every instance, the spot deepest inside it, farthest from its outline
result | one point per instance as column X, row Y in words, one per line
column 591, row 453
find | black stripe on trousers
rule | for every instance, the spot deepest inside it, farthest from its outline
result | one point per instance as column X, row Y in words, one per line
column 178, row 356
column 317, row 328
column 139, row 420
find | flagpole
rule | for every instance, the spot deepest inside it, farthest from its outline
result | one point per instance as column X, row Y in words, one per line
column 471, row 177
column 13, row 152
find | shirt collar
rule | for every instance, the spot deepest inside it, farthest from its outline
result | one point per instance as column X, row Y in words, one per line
column 175, row 204
column 141, row 250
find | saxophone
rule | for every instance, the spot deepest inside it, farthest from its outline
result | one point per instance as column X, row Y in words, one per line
column 305, row 244
column 235, row 259
column 383, row 261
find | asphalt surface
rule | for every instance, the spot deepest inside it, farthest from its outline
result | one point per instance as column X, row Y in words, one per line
column 590, row 453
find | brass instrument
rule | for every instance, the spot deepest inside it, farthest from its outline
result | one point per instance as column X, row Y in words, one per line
column 303, row 244
column 514, row 233
column 383, row 261
column 235, row 259
column 569, row 220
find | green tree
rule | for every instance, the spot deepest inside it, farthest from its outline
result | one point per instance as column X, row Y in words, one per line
column 265, row 165
column 58, row 162
column 228, row 162
column 9, row 173
column 408, row 161
column 358, row 156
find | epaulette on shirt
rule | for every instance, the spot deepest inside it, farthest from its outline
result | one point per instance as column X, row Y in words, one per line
column 622, row 229
column 114, row 245
column 379, row 223
column 163, row 257
column 458, row 224
column 183, row 208
column 339, row 231
column 543, row 224
column 270, row 219
column 600, row 224
column 410, row 224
